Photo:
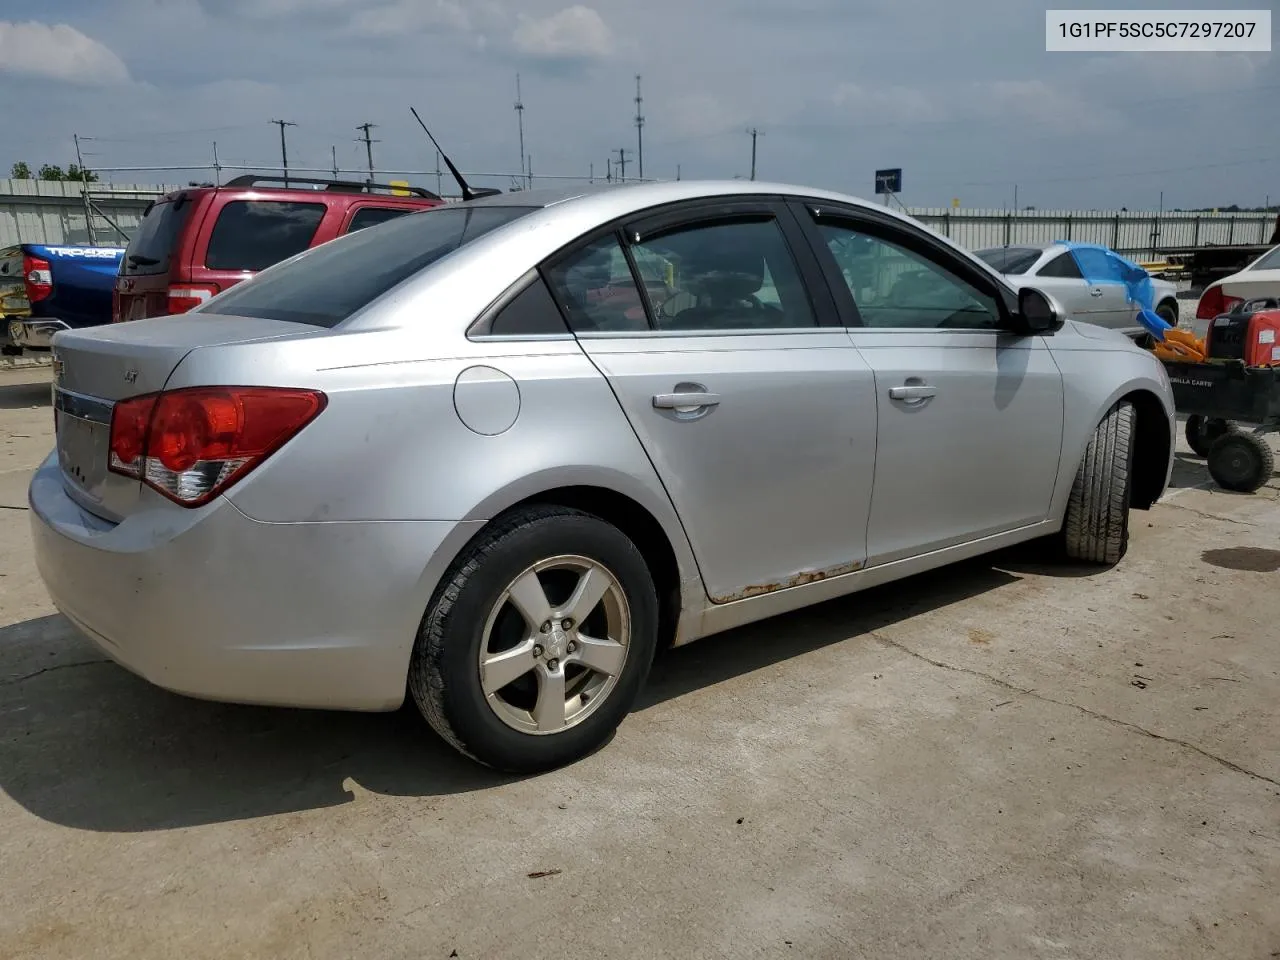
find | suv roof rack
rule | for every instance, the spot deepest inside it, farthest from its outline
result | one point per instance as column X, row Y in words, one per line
column 338, row 186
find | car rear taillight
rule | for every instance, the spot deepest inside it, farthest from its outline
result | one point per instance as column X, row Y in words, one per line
column 1213, row 302
column 37, row 277
column 194, row 443
column 189, row 296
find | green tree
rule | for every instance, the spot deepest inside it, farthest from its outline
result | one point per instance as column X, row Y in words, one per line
column 86, row 175
column 51, row 172
column 20, row 171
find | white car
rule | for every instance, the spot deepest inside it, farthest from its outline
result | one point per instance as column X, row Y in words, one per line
column 1060, row 270
column 1258, row 280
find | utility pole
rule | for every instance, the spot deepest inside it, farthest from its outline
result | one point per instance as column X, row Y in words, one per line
column 84, row 193
column 368, row 145
column 333, row 150
column 217, row 167
column 639, row 129
column 591, row 178
column 284, row 152
column 754, row 134
column 608, row 169
column 1015, row 198
column 520, row 126
column 622, row 164
column 529, row 161
column 677, row 171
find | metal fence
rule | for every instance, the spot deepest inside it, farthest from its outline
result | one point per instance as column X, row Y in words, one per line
column 1133, row 233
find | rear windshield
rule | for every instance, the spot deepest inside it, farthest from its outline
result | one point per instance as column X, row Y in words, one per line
column 1010, row 259
column 148, row 252
column 1268, row 261
column 338, row 278
column 254, row 234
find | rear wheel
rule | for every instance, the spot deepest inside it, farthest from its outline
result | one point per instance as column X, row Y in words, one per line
column 1096, row 526
column 537, row 643
column 1168, row 312
column 1201, row 432
column 1242, row 462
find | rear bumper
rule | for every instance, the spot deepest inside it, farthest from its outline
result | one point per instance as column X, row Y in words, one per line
column 34, row 332
column 212, row 604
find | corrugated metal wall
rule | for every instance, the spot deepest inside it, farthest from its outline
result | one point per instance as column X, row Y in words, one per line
column 36, row 211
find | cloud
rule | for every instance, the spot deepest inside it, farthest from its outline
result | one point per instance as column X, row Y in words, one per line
column 57, row 52
column 575, row 33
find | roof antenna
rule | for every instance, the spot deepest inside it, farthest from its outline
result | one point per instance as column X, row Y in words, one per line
column 467, row 192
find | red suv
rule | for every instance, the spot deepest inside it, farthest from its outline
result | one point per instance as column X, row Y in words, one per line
column 197, row 242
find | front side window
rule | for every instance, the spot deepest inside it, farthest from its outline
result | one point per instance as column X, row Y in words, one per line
column 735, row 275
column 896, row 287
column 254, row 234
column 596, row 291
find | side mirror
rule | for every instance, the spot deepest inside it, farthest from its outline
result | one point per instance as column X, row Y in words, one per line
column 1036, row 313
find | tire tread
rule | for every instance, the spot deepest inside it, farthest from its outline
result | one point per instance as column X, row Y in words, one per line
column 1096, row 527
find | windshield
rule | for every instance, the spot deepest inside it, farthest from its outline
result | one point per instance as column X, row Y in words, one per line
column 1268, row 261
column 329, row 283
column 1010, row 259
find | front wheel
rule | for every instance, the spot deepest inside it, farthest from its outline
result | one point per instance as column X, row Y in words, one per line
column 1096, row 526
column 538, row 640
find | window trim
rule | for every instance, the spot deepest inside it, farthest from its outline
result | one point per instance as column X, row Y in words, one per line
column 813, row 213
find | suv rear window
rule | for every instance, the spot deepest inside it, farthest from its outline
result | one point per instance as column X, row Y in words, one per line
column 148, row 252
column 337, row 278
column 254, row 234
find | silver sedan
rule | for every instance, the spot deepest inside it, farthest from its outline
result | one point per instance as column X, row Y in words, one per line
column 494, row 455
column 1085, row 281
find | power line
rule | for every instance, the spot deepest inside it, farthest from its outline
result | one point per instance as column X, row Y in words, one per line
column 284, row 151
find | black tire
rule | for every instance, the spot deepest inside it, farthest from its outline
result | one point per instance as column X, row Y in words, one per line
column 1168, row 312
column 1201, row 432
column 1096, row 526
column 444, row 675
column 1242, row 462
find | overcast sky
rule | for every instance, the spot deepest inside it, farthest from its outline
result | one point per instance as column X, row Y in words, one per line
column 962, row 95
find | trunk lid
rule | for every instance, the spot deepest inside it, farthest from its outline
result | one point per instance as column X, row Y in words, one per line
column 95, row 367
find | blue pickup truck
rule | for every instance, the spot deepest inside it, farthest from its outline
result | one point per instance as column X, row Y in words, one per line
column 47, row 288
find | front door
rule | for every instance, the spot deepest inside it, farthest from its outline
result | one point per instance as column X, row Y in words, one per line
column 756, row 411
column 969, row 415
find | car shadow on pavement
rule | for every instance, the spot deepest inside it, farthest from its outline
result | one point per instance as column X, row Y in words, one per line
column 88, row 745
column 17, row 396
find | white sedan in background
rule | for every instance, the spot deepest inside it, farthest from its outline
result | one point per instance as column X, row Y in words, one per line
column 1056, row 269
column 1259, row 280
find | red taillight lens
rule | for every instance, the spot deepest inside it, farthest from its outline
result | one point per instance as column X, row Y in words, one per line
column 193, row 444
column 37, row 277
column 1213, row 302
column 189, row 296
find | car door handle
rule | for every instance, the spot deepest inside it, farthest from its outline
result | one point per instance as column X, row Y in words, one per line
column 1095, row 292
column 914, row 391
column 682, row 401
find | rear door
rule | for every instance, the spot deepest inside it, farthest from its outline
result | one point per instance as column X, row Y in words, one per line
column 142, row 284
column 755, row 410
column 969, row 416
column 1107, row 288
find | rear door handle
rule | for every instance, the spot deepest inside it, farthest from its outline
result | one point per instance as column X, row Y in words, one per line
column 1095, row 292
column 682, row 401
column 915, row 391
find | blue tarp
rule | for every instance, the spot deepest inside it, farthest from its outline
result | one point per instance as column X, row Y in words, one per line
column 1099, row 264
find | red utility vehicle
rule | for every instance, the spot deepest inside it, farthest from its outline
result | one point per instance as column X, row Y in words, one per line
column 197, row 242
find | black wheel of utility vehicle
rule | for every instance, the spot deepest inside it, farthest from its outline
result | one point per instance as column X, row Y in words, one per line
column 1242, row 462
column 1096, row 526
column 1201, row 432
column 537, row 641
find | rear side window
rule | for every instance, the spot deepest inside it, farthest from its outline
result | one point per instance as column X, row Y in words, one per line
column 254, row 234
column 1010, row 259
column 371, row 216
column 338, row 278
column 149, row 250
column 1062, row 266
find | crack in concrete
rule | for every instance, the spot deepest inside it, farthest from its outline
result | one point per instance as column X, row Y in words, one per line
column 9, row 681
column 5, row 506
column 1211, row 516
column 896, row 645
